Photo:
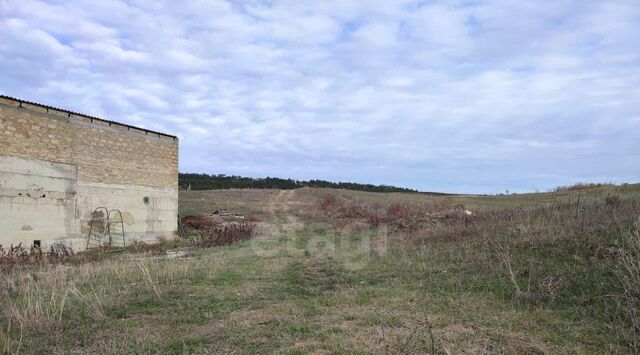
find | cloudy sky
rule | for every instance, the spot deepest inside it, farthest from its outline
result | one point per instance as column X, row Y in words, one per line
column 461, row 96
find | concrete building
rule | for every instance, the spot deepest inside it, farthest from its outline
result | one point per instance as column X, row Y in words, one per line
column 57, row 167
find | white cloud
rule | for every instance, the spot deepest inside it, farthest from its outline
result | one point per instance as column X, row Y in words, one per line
column 479, row 96
column 442, row 28
column 376, row 34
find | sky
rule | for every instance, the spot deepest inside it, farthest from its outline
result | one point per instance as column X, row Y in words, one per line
column 455, row 96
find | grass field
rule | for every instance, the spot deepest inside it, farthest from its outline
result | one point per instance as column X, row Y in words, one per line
column 335, row 271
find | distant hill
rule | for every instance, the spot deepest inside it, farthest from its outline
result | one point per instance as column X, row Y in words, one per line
column 218, row 182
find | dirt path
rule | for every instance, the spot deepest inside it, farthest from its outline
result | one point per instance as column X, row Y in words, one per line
column 282, row 205
column 282, row 201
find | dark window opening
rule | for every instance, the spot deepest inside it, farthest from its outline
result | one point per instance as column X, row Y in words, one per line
column 36, row 243
column 146, row 200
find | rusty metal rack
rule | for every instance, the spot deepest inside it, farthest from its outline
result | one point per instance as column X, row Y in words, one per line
column 103, row 227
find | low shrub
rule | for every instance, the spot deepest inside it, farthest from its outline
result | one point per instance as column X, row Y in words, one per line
column 211, row 231
column 398, row 215
column 227, row 234
column 200, row 222
column 19, row 256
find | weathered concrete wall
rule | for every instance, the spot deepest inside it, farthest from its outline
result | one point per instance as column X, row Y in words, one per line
column 56, row 168
column 37, row 200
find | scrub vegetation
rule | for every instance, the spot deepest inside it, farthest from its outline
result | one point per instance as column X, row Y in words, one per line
column 333, row 271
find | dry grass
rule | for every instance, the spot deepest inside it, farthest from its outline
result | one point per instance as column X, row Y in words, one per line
column 629, row 275
column 62, row 298
column 541, row 275
column 525, row 246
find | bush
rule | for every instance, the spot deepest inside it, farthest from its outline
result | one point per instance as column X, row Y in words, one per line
column 200, row 222
column 211, row 231
column 219, row 235
column 399, row 215
column 18, row 255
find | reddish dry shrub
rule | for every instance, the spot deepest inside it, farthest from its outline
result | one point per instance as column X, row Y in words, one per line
column 199, row 222
column 213, row 231
column 372, row 215
column 329, row 204
column 219, row 235
column 18, row 255
column 416, row 215
column 347, row 213
column 399, row 210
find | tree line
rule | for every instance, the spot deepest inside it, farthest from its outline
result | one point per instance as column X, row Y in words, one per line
column 221, row 181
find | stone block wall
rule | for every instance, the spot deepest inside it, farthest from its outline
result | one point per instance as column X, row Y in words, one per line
column 110, row 164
